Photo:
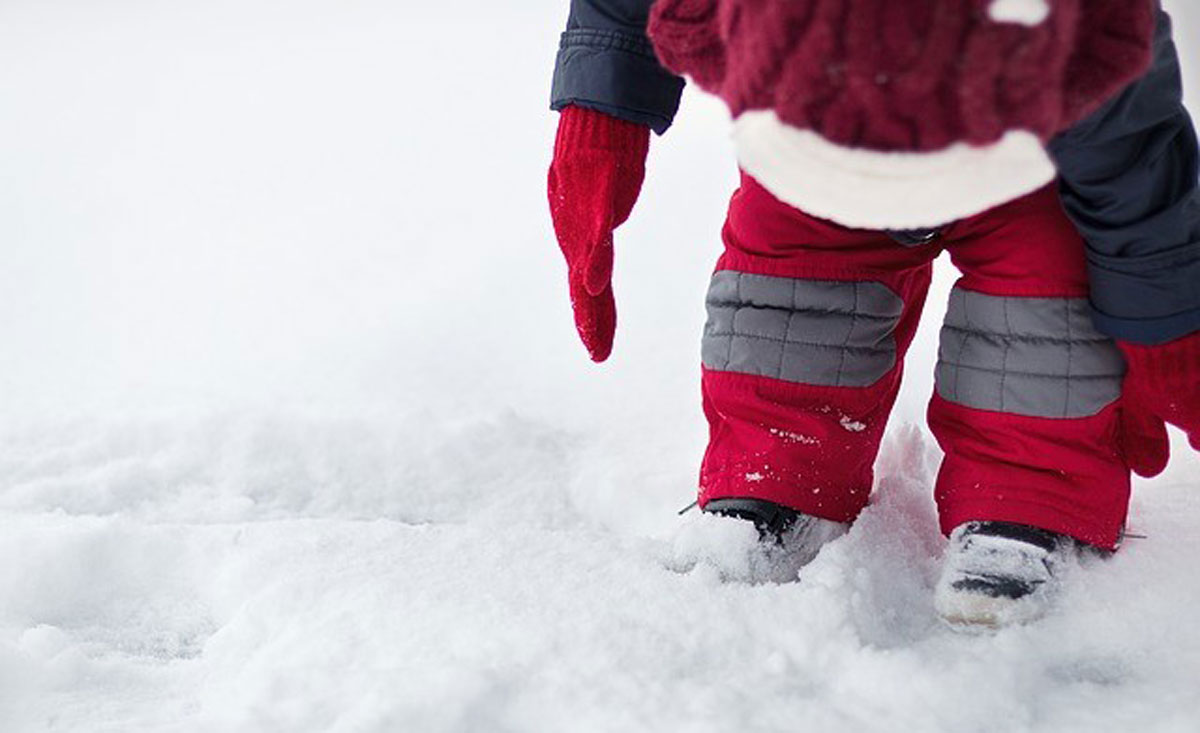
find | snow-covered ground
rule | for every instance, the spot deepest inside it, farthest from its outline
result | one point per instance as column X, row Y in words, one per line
column 295, row 434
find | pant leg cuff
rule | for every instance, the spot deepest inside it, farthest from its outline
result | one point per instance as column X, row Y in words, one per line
column 838, row 504
column 1101, row 534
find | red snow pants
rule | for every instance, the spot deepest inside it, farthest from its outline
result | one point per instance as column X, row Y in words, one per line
column 808, row 325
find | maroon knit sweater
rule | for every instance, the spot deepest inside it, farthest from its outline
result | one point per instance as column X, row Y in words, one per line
column 907, row 75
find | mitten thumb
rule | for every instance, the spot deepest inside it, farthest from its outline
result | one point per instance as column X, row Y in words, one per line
column 598, row 269
column 1144, row 442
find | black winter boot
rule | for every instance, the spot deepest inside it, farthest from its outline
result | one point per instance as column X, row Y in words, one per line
column 997, row 574
column 787, row 540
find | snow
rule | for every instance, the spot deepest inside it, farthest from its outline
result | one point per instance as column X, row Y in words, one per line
column 793, row 437
column 852, row 426
column 295, row 433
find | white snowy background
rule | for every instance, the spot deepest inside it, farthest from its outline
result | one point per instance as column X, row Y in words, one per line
column 295, row 434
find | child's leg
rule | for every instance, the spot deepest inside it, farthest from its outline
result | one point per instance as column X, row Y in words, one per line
column 807, row 330
column 1027, row 390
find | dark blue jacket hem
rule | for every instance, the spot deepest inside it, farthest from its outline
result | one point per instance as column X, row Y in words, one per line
column 1149, row 332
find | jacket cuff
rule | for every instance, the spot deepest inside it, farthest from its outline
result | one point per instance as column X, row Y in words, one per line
column 1149, row 299
column 615, row 73
column 1147, row 331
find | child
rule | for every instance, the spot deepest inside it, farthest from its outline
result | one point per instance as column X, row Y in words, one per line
column 1044, row 145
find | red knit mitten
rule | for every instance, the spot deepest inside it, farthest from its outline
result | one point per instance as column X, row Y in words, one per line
column 599, row 164
column 1162, row 386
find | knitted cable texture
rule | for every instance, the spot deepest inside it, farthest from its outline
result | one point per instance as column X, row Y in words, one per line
column 908, row 75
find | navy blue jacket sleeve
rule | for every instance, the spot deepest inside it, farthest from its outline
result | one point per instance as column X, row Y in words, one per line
column 606, row 63
column 1129, row 180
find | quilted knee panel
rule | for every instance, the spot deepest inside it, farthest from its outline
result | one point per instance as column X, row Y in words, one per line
column 816, row 332
column 1039, row 357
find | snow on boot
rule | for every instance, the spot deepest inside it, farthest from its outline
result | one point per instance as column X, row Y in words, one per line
column 998, row 574
column 769, row 544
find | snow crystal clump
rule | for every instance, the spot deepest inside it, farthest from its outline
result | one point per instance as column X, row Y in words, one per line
column 791, row 437
column 851, row 425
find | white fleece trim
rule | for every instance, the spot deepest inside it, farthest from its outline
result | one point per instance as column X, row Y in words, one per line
column 1022, row 12
column 868, row 189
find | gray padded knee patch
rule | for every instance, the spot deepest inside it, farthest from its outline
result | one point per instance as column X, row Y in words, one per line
column 817, row 332
column 1039, row 357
